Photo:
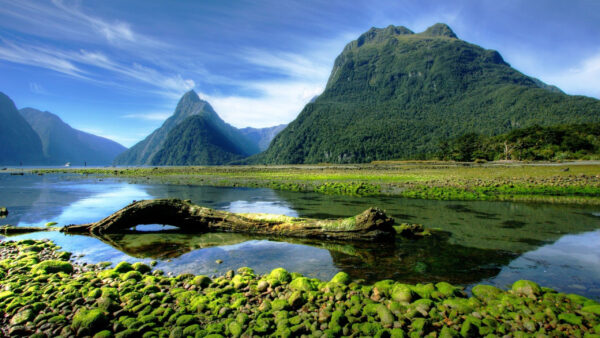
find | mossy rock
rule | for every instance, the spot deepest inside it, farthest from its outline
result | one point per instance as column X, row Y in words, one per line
column 342, row 278
column 447, row 290
column 52, row 266
column 201, row 281
column 595, row 309
column 91, row 321
column 423, row 290
column 22, row 317
column 486, row 293
column 385, row 315
column 402, row 293
column 103, row 334
column 132, row 275
column 279, row 304
column 384, row 287
column 141, row 267
column 570, row 318
column 123, row 267
column 129, row 333
column 280, row 274
column 526, row 288
column 302, row 284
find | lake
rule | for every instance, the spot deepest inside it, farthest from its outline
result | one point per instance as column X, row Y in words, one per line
column 479, row 242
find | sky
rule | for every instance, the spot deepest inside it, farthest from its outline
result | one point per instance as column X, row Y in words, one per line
column 117, row 68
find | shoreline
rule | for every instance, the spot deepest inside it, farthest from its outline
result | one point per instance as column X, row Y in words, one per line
column 44, row 294
column 567, row 183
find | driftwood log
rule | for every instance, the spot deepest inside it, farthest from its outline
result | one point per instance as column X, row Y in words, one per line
column 372, row 224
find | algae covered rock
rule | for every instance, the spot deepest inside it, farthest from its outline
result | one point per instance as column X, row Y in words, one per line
column 486, row 293
column 22, row 317
column 302, row 284
column 342, row 278
column 280, row 275
column 526, row 288
column 402, row 293
column 90, row 321
column 52, row 266
column 123, row 267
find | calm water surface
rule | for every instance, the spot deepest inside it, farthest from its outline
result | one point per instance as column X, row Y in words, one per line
column 492, row 242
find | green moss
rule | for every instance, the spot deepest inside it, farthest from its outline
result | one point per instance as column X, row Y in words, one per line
column 280, row 275
column 342, row 278
column 123, row 267
column 52, row 266
column 486, row 293
column 570, row 318
column 526, row 288
column 92, row 320
column 103, row 334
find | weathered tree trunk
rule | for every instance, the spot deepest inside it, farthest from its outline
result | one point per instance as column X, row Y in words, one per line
column 372, row 224
column 8, row 230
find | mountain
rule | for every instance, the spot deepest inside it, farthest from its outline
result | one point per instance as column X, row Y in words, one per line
column 262, row 136
column 394, row 94
column 193, row 135
column 61, row 143
column 19, row 143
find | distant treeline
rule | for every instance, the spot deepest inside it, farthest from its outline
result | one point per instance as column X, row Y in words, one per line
column 560, row 142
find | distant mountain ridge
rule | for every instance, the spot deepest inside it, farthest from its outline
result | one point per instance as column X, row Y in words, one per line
column 394, row 94
column 33, row 137
column 262, row 136
column 196, row 135
column 61, row 143
column 19, row 143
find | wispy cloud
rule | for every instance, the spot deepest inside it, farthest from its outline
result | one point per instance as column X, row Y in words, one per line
column 84, row 64
column 149, row 116
column 36, row 56
column 295, row 79
column 583, row 79
column 37, row 88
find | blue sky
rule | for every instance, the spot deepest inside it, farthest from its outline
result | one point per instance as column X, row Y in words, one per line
column 117, row 68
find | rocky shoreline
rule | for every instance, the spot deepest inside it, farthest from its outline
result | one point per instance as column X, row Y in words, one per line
column 43, row 294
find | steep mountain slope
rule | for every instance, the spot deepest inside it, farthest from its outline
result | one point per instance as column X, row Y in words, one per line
column 183, row 142
column 61, row 143
column 262, row 136
column 197, row 141
column 19, row 143
column 394, row 94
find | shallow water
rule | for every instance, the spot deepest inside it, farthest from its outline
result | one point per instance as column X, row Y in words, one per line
column 492, row 242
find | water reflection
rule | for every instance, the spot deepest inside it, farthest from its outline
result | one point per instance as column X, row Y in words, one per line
column 495, row 242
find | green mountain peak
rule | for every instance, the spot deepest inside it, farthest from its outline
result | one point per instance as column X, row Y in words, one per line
column 393, row 94
column 440, row 29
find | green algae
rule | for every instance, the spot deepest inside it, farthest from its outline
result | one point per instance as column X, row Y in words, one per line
column 133, row 301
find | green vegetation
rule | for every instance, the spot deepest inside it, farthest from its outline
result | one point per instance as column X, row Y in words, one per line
column 194, row 134
column 131, row 300
column 562, row 142
column 561, row 183
column 393, row 94
column 197, row 141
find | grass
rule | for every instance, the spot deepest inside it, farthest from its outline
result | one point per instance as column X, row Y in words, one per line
column 572, row 182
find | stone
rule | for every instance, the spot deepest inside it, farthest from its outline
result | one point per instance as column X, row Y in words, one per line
column 342, row 278
column 486, row 293
column 526, row 288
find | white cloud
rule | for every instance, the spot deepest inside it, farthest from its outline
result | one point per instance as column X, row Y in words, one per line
column 583, row 79
column 280, row 102
column 149, row 116
column 37, row 88
column 39, row 57
column 78, row 64
column 303, row 76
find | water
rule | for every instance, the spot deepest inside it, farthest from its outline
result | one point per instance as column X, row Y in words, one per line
column 490, row 242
